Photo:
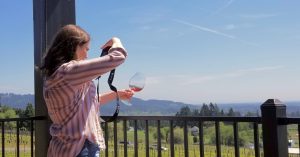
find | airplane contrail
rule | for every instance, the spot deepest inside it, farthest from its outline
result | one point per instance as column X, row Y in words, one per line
column 205, row 29
column 224, row 7
column 214, row 31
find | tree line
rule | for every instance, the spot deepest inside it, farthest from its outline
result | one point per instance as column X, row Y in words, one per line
column 210, row 110
column 7, row 112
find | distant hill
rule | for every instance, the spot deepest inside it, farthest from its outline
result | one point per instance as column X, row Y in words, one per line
column 16, row 100
column 146, row 107
column 139, row 107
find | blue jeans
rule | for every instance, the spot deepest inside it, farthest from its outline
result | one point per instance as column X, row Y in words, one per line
column 89, row 149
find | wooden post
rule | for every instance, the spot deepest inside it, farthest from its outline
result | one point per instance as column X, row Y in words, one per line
column 274, row 135
column 48, row 17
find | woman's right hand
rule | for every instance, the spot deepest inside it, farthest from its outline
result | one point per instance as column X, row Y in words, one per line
column 111, row 42
column 125, row 94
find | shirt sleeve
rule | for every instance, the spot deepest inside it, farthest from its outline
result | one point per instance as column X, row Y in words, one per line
column 78, row 72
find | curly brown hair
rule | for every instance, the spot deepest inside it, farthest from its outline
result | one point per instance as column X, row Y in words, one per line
column 63, row 48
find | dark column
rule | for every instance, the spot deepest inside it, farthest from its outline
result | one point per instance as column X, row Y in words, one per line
column 274, row 135
column 48, row 17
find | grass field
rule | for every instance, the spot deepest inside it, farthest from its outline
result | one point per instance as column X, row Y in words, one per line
column 11, row 145
column 210, row 151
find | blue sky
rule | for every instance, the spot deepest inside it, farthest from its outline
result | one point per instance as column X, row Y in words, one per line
column 190, row 51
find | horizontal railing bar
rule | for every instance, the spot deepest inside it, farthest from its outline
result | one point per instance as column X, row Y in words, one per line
column 178, row 118
column 288, row 120
column 23, row 119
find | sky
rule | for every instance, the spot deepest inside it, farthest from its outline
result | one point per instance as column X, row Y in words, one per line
column 221, row 51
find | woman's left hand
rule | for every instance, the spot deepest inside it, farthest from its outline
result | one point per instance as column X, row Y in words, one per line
column 125, row 94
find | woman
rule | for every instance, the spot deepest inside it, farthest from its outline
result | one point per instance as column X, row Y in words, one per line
column 70, row 94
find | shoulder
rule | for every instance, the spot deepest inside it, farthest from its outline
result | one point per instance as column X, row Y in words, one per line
column 60, row 71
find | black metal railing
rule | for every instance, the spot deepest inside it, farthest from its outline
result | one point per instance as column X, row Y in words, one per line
column 171, row 119
column 273, row 125
column 16, row 130
column 292, row 121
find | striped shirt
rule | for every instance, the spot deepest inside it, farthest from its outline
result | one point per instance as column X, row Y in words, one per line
column 72, row 104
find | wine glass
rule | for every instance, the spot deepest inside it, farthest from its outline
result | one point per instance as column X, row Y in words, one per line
column 136, row 84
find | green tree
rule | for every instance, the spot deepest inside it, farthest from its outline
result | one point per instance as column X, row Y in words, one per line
column 29, row 111
column 213, row 109
column 230, row 112
column 222, row 113
column 184, row 111
column 9, row 113
column 204, row 110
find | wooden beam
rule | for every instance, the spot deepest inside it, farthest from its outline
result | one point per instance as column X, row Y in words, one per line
column 48, row 17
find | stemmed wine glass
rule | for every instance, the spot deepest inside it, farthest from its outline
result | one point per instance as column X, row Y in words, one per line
column 136, row 84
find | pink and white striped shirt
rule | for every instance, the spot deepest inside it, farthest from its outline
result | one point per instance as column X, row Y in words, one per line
column 71, row 99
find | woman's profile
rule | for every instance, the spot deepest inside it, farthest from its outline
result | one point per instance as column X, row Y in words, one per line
column 70, row 93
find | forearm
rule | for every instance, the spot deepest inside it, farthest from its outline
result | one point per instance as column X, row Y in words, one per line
column 107, row 97
column 124, row 94
column 86, row 70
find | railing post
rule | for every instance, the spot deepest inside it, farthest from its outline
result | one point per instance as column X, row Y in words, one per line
column 274, row 135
